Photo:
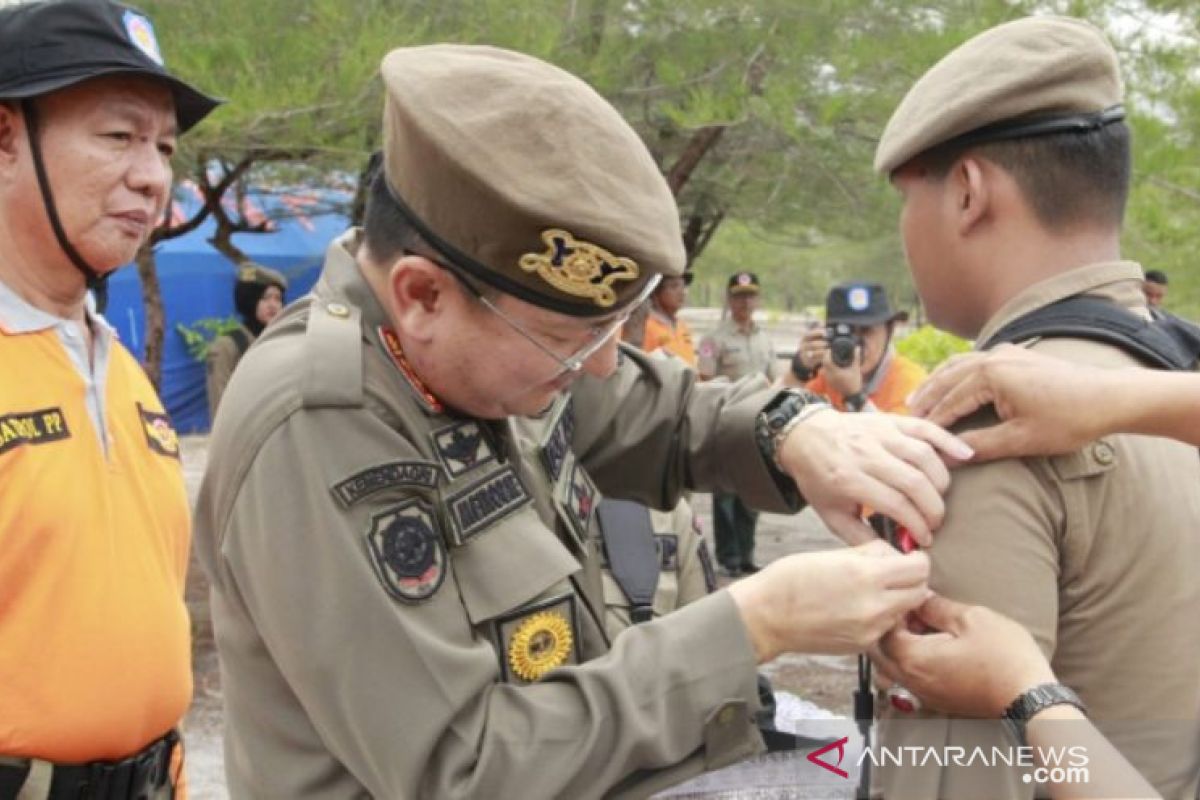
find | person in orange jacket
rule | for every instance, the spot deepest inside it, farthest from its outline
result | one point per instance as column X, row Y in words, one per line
column 851, row 360
column 95, row 653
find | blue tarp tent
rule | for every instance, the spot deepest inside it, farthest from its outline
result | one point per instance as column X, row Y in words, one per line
column 197, row 283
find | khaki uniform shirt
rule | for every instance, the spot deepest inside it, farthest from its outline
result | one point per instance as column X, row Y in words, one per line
column 728, row 352
column 1096, row 553
column 407, row 604
column 223, row 355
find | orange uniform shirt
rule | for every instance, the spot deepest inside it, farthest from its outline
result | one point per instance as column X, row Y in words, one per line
column 902, row 379
column 95, row 659
column 674, row 338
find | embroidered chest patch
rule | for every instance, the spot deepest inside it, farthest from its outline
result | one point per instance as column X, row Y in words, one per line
column 461, row 447
column 407, row 552
column 668, row 551
column 32, row 427
column 483, row 504
column 537, row 639
column 575, row 500
column 160, row 435
column 557, row 445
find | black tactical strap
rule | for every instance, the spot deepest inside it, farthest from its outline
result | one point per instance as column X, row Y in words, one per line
column 632, row 554
column 1166, row 342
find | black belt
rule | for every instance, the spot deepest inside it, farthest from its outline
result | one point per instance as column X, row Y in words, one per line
column 137, row 777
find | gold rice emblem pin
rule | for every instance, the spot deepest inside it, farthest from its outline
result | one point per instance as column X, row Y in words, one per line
column 541, row 642
column 579, row 268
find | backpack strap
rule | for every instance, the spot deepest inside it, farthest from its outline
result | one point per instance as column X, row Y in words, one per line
column 632, row 553
column 1166, row 342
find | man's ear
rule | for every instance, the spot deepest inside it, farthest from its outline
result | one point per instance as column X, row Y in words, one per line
column 970, row 184
column 418, row 292
column 12, row 134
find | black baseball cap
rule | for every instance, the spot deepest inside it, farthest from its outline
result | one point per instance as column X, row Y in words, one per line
column 743, row 283
column 48, row 45
column 859, row 303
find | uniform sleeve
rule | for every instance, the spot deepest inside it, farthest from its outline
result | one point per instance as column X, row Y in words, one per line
column 406, row 696
column 221, row 359
column 650, row 431
column 999, row 547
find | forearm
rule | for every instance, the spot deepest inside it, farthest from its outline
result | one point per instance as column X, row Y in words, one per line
column 1154, row 403
column 1064, row 728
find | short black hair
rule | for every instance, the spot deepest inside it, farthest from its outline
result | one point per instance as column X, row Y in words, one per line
column 389, row 236
column 1067, row 178
column 1156, row 276
column 386, row 231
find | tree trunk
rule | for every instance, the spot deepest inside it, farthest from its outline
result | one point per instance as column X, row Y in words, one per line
column 222, row 241
column 155, row 318
column 697, row 147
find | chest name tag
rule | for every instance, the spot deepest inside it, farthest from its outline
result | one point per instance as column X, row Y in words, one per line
column 160, row 435
column 558, row 443
column 32, row 427
column 485, row 503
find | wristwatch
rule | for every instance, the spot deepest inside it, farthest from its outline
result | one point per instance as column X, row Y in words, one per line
column 789, row 408
column 1029, row 703
column 856, row 401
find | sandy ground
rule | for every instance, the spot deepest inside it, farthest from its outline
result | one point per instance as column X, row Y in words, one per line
column 824, row 681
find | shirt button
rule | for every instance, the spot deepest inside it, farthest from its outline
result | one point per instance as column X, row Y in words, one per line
column 725, row 717
column 337, row 310
column 1103, row 453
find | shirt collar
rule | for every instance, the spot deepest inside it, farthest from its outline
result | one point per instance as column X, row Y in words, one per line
column 1119, row 281
column 18, row 316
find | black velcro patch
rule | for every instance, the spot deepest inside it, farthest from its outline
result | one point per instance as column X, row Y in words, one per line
column 558, row 443
column 706, row 564
column 407, row 552
column 160, row 434
column 668, row 551
column 486, row 502
column 462, row 447
column 33, row 427
column 360, row 485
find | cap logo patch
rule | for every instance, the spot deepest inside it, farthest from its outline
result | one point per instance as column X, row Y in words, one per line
column 743, row 279
column 141, row 33
column 859, row 298
column 579, row 268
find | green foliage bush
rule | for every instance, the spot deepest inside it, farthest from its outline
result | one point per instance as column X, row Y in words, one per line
column 929, row 346
column 199, row 337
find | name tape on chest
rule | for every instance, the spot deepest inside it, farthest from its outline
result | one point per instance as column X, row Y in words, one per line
column 394, row 474
column 160, row 434
column 33, row 427
column 557, row 445
column 407, row 551
column 486, row 502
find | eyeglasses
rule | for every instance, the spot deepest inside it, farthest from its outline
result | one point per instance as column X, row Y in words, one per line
column 601, row 334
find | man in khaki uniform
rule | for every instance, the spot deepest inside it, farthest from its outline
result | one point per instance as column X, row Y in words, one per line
column 737, row 348
column 405, row 587
column 1013, row 161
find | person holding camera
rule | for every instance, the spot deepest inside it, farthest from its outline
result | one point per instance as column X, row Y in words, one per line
column 851, row 360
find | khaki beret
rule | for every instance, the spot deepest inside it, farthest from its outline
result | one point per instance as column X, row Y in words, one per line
column 1033, row 76
column 520, row 175
column 250, row 272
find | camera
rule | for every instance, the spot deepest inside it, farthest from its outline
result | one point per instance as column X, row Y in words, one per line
column 842, row 343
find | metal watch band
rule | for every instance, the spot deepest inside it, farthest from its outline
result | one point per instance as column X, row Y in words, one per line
column 1029, row 703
